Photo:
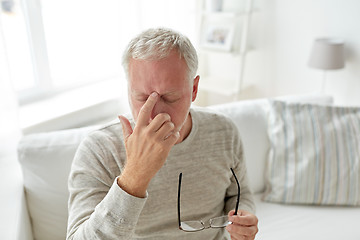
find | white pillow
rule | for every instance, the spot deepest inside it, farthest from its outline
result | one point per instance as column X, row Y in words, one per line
column 250, row 119
column 315, row 154
column 46, row 160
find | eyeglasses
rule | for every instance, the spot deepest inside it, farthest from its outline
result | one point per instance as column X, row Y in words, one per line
column 218, row 222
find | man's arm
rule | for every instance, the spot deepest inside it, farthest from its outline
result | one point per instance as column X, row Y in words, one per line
column 100, row 211
column 244, row 224
column 98, row 208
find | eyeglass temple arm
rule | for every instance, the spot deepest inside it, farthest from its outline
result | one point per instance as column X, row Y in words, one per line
column 238, row 196
column 178, row 204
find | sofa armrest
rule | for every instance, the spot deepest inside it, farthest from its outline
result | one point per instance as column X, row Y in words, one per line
column 45, row 160
column 14, row 220
column 24, row 230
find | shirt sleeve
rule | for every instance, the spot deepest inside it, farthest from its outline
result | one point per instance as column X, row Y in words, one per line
column 98, row 207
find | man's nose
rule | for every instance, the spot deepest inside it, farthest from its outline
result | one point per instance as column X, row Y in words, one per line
column 158, row 108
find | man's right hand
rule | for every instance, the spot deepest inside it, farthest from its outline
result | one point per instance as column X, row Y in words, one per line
column 147, row 147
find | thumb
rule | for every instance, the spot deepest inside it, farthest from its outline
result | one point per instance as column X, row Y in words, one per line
column 239, row 213
column 126, row 126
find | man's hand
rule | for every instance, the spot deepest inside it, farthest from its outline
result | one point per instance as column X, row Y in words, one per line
column 244, row 225
column 147, row 147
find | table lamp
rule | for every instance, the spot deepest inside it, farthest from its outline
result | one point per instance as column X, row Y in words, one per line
column 327, row 54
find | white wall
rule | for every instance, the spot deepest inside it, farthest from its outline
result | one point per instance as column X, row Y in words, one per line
column 283, row 34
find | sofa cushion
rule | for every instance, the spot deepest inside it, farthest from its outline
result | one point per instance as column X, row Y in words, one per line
column 315, row 154
column 250, row 116
column 306, row 222
column 46, row 159
column 250, row 119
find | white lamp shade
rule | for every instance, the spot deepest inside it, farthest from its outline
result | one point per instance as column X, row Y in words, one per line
column 327, row 54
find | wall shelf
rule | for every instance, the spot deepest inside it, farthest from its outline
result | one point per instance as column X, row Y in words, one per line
column 222, row 62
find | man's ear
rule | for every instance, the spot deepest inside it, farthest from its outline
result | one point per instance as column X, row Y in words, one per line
column 195, row 87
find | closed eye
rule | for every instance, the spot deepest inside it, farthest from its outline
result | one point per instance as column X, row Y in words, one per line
column 170, row 100
column 142, row 98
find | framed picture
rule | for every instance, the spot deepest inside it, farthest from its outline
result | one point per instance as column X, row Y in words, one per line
column 218, row 36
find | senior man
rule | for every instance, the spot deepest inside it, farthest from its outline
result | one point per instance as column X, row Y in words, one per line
column 129, row 179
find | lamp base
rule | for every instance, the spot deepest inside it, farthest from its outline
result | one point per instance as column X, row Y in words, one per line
column 323, row 82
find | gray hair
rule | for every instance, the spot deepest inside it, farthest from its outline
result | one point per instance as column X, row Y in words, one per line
column 156, row 44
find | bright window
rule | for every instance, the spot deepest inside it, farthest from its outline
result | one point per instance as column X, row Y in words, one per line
column 16, row 45
column 83, row 40
column 54, row 46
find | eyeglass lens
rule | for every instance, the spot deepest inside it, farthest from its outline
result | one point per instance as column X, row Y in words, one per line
column 193, row 226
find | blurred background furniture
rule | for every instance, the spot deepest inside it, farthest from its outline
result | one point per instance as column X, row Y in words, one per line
column 327, row 54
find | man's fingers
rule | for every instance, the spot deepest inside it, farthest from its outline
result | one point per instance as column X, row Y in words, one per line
column 243, row 218
column 244, row 225
column 235, row 236
column 146, row 109
column 172, row 138
column 158, row 122
column 165, row 130
column 239, row 230
column 126, row 126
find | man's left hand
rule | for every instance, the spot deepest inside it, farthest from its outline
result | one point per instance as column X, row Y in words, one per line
column 244, row 225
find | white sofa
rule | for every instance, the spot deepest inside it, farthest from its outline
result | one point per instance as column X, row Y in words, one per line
column 46, row 158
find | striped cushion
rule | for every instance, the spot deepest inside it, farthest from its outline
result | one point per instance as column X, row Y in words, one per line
column 314, row 155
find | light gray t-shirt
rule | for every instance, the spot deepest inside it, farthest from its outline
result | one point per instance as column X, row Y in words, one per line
column 100, row 209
